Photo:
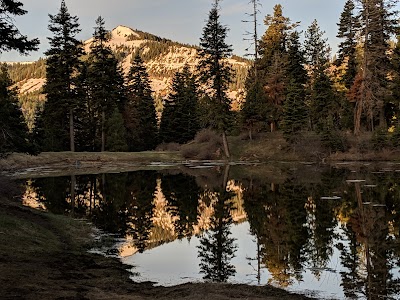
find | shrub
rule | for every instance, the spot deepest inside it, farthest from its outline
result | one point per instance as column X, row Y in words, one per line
column 380, row 139
column 395, row 137
column 207, row 135
column 206, row 146
column 333, row 141
column 168, row 147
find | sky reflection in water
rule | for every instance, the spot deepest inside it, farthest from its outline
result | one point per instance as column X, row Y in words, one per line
column 325, row 231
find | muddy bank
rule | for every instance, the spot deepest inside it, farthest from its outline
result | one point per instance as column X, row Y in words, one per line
column 44, row 256
column 55, row 163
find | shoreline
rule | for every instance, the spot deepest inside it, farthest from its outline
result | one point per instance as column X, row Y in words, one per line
column 51, row 164
column 45, row 256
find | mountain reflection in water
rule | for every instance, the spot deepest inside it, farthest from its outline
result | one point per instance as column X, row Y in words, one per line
column 320, row 230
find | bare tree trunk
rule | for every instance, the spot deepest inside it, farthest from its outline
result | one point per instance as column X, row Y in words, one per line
column 258, row 262
column 94, row 192
column 357, row 117
column 103, row 133
column 226, row 146
column 90, row 196
column 71, row 130
column 273, row 126
column 72, row 192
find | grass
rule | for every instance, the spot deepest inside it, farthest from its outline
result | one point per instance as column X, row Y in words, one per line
column 87, row 161
column 25, row 235
column 264, row 147
column 207, row 145
column 44, row 256
column 30, row 232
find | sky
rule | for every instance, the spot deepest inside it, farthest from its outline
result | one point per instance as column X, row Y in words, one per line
column 178, row 20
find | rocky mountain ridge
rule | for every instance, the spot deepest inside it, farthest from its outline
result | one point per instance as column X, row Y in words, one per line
column 162, row 57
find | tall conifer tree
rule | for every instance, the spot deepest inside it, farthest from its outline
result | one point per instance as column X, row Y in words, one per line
column 324, row 103
column 179, row 121
column 274, row 40
column 295, row 112
column 348, row 28
column 317, row 50
column 273, row 62
column 215, row 73
column 105, row 81
column 140, row 114
column 13, row 129
column 378, row 24
column 317, row 54
column 10, row 37
column 63, row 59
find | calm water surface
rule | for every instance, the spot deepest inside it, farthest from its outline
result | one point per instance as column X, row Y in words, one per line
column 332, row 233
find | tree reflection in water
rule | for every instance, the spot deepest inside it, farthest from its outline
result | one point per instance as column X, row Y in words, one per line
column 294, row 227
column 369, row 255
column 140, row 196
column 217, row 248
column 276, row 215
column 182, row 194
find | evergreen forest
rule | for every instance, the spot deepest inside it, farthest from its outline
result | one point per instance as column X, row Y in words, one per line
column 294, row 86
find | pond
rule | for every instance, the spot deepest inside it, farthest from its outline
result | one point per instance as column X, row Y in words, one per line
column 330, row 232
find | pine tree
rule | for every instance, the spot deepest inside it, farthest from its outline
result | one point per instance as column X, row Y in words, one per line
column 295, row 111
column 274, row 40
column 295, row 66
column 324, row 102
column 317, row 54
column 179, row 121
column 105, row 81
column 85, row 113
column 140, row 114
column 115, row 132
column 62, row 64
column 273, row 62
column 317, row 50
column 13, row 130
column 348, row 29
column 378, row 24
column 275, row 89
column 10, row 37
column 254, row 111
column 215, row 73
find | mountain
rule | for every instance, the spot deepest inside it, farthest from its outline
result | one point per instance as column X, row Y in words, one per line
column 162, row 57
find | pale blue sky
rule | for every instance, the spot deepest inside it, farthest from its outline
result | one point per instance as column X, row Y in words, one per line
column 178, row 20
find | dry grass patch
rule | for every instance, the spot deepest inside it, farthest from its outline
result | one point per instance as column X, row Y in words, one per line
column 18, row 161
column 207, row 145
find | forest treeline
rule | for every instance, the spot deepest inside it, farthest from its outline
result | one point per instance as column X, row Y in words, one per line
column 293, row 85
